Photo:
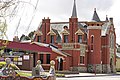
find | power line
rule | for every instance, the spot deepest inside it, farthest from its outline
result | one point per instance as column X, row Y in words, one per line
column 32, row 16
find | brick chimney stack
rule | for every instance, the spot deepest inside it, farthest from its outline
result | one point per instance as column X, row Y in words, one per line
column 16, row 39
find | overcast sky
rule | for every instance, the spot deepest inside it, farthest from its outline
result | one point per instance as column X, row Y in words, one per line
column 61, row 10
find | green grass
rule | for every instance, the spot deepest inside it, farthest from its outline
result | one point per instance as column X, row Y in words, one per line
column 60, row 75
column 2, row 64
column 24, row 74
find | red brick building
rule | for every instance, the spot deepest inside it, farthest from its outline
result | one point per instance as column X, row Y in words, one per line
column 84, row 46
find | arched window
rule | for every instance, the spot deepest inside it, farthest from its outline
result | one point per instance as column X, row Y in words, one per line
column 92, row 39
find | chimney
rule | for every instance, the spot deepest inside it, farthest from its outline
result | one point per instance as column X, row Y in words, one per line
column 111, row 20
column 65, row 27
column 16, row 39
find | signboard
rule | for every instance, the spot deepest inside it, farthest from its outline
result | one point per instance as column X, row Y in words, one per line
column 20, row 59
column 68, row 46
column 26, row 57
column 19, row 63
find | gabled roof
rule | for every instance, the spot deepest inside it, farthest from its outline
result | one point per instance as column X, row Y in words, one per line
column 51, row 32
column 74, row 12
column 54, row 49
column 79, row 32
column 95, row 16
column 105, row 29
column 58, row 39
column 38, row 32
column 66, row 32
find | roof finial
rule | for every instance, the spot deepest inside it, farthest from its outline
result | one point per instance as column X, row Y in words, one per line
column 107, row 18
column 94, row 9
column 95, row 16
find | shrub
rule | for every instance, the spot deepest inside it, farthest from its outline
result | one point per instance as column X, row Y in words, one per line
column 2, row 64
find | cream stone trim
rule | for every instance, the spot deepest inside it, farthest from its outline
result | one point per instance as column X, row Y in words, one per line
column 94, row 27
column 79, row 32
column 65, row 32
column 51, row 33
column 39, row 33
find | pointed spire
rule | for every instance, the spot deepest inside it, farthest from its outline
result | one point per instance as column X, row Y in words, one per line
column 74, row 12
column 95, row 16
column 106, row 18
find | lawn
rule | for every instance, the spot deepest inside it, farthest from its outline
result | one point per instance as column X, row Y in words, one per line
column 25, row 74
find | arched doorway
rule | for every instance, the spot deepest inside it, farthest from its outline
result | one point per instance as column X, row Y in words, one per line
column 60, row 64
column 111, row 65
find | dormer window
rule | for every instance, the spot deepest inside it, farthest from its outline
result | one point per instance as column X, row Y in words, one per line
column 79, row 38
column 79, row 33
column 38, row 38
column 38, row 35
column 51, row 38
column 65, row 38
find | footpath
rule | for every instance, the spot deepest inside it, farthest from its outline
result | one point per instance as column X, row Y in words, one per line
column 76, row 74
column 88, row 75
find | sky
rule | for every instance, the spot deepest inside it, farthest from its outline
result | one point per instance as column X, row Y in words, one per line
column 61, row 11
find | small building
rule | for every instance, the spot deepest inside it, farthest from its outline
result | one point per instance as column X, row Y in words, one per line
column 21, row 54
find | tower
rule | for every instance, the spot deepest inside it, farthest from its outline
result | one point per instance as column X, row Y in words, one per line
column 73, row 23
column 94, row 44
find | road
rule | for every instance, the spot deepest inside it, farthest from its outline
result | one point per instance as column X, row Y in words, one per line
column 112, row 77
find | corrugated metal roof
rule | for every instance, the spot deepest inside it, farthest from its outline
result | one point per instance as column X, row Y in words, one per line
column 27, row 46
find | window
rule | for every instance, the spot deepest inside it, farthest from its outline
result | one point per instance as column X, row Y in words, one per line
column 92, row 39
column 97, row 24
column 38, row 38
column 91, row 47
column 92, row 24
column 51, row 39
column 48, row 59
column 79, row 38
column 41, row 58
column 65, row 38
column 81, row 59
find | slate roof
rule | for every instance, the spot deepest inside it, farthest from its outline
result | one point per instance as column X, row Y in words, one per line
column 58, row 39
column 105, row 29
column 95, row 16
